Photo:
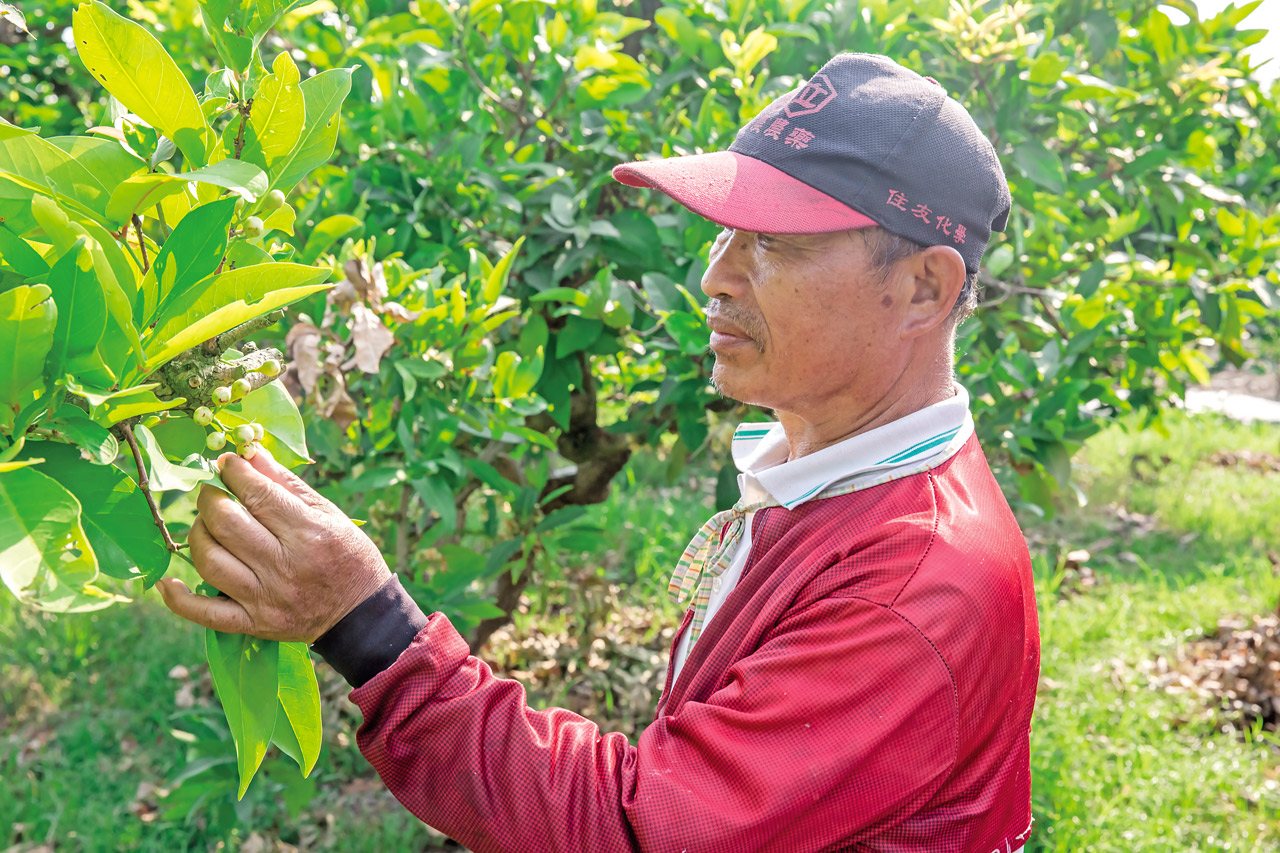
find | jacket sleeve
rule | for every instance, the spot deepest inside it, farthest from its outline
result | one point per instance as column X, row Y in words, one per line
column 844, row 718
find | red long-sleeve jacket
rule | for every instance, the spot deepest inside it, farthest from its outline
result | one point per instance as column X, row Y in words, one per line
column 867, row 686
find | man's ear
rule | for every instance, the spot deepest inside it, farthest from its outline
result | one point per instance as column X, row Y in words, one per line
column 934, row 278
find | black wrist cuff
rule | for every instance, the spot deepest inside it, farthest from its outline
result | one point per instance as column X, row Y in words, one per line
column 370, row 638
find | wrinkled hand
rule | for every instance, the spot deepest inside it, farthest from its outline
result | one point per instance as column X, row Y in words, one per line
column 289, row 562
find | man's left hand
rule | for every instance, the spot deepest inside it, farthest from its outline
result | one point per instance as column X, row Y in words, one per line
column 289, row 563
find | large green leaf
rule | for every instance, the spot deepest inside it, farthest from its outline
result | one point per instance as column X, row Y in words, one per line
column 322, row 95
column 18, row 255
column 277, row 115
column 110, row 407
column 41, row 166
column 133, row 66
column 82, row 314
column 273, row 407
column 245, row 675
column 45, row 557
column 163, row 474
column 140, row 193
column 221, row 302
column 28, row 318
column 298, row 724
column 119, row 283
column 96, row 443
column 114, row 513
column 192, row 252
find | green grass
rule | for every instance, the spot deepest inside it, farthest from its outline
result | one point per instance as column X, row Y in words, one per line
column 87, row 704
column 1113, row 766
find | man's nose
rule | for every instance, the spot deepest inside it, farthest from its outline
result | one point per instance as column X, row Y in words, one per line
column 728, row 266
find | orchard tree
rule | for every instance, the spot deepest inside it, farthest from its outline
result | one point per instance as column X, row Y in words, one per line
column 134, row 263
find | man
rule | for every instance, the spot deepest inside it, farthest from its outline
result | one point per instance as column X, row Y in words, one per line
column 858, row 667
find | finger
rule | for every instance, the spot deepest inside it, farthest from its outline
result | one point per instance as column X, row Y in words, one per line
column 221, row 614
column 218, row 566
column 274, row 506
column 235, row 528
column 267, row 465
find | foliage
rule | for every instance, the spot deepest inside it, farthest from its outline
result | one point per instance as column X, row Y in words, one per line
column 131, row 261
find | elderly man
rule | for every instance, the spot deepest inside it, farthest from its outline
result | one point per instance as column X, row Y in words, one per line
column 858, row 665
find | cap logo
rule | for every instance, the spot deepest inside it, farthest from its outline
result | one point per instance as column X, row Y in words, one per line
column 815, row 95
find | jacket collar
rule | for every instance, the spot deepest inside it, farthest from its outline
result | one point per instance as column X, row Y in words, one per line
column 917, row 442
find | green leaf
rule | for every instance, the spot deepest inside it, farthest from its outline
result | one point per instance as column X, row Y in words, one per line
column 180, row 437
column 28, row 318
column 81, row 177
column 45, row 558
column 119, row 284
column 191, row 253
column 272, row 407
column 111, row 407
column 132, row 65
column 277, row 115
column 95, row 441
column 82, row 313
column 221, row 302
column 17, row 254
column 496, row 282
column 1041, row 165
column 136, row 195
column 578, row 333
column 245, row 675
column 163, row 475
column 326, row 233
column 298, row 724
column 114, row 514
column 322, row 95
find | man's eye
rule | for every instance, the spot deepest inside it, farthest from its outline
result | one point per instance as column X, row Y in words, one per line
column 765, row 240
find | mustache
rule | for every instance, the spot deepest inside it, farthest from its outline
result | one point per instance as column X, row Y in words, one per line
column 749, row 323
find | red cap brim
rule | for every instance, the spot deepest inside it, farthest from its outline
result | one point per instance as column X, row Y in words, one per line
column 744, row 193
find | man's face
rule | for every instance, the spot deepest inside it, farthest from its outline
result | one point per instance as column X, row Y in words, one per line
column 800, row 320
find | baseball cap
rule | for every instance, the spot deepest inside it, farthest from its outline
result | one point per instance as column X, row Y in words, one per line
column 863, row 142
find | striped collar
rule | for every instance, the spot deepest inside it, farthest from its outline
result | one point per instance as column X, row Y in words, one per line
column 917, row 442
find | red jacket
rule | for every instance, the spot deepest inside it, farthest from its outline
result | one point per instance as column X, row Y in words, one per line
column 867, row 686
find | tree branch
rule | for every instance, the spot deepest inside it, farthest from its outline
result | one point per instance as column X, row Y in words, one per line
column 127, row 431
column 142, row 244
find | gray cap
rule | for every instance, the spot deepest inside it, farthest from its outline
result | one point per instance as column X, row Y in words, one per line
column 864, row 142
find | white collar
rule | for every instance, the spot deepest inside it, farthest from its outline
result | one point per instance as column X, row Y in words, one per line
column 917, row 442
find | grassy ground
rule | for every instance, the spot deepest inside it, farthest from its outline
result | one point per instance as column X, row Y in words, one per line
column 88, row 704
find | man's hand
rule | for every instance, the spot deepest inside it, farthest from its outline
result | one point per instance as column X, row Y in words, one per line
column 291, row 563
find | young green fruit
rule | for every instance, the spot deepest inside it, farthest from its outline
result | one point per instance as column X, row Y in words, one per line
column 272, row 201
column 270, row 367
column 216, row 441
column 222, row 395
column 239, row 388
column 259, row 432
column 247, row 451
column 203, row 416
column 253, row 227
column 244, row 434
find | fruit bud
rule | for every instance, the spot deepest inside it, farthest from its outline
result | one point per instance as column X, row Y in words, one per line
column 222, row 395
column 239, row 388
column 203, row 416
column 253, row 227
column 244, row 434
column 259, row 432
column 216, row 441
column 272, row 200
column 247, row 451
column 270, row 367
